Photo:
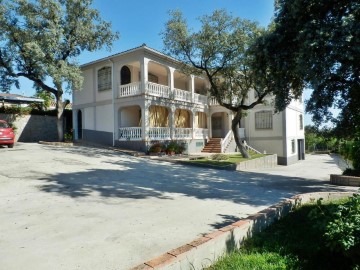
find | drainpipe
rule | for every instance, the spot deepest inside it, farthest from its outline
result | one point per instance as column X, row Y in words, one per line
column 113, row 99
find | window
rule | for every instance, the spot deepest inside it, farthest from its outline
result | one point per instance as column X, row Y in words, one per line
column 301, row 122
column 104, row 79
column 293, row 147
column 263, row 120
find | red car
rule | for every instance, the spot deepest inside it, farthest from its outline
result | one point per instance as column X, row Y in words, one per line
column 7, row 135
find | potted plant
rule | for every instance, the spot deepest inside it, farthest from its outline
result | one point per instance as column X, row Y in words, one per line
column 171, row 148
column 155, row 149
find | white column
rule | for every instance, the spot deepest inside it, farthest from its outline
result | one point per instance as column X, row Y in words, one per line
column 172, row 122
column 145, row 121
column 144, row 63
column 192, row 86
column 193, row 113
column 75, row 124
column 171, row 81
column 209, row 125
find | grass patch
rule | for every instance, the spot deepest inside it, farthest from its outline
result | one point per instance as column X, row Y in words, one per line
column 232, row 159
column 294, row 242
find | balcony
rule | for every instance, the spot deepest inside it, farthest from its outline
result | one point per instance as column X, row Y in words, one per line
column 159, row 90
column 162, row 133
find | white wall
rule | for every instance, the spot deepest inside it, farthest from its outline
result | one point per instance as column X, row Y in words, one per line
column 104, row 118
column 86, row 94
column 293, row 131
column 88, row 118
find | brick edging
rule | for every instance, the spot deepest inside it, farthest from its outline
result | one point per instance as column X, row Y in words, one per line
column 204, row 251
column 66, row 144
column 345, row 180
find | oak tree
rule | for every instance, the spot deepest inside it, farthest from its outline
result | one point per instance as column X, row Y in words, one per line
column 40, row 40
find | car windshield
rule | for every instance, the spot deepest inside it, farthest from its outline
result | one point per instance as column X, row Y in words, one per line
column 3, row 125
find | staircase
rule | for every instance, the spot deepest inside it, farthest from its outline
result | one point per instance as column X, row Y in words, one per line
column 213, row 146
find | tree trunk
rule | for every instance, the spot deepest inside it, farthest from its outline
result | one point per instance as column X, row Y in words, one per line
column 234, row 128
column 60, row 116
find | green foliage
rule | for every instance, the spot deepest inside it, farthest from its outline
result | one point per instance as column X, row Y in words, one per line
column 228, row 51
column 317, row 139
column 40, row 40
column 219, row 157
column 296, row 243
column 248, row 260
column 156, row 148
column 318, row 41
column 68, row 137
column 340, row 225
column 26, row 111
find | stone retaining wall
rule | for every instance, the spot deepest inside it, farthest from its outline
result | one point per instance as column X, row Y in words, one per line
column 344, row 180
column 204, row 251
column 258, row 163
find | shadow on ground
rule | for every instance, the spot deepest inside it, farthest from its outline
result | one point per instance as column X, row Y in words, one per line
column 139, row 178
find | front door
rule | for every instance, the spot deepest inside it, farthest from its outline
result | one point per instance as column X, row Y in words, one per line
column 301, row 149
column 216, row 126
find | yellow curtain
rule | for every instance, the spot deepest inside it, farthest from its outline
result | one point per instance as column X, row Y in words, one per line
column 182, row 118
column 158, row 116
column 201, row 120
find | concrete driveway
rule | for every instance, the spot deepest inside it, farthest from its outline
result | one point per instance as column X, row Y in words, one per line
column 87, row 208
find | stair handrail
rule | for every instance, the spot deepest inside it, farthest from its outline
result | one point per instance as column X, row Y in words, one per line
column 225, row 141
column 248, row 147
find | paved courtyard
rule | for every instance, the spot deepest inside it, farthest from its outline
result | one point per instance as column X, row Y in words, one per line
column 88, row 208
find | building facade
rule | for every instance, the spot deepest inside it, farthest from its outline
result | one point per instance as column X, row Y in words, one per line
column 138, row 97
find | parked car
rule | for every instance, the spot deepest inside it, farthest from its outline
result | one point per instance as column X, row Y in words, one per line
column 7, row 135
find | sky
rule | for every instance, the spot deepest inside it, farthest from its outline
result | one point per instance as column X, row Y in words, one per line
column 142, row 21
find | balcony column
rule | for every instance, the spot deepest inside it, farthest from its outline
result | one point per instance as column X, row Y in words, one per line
column 145, row 121
column 172, row 122
column 171, row 81
column 192, row 87
column 209, row 125
column 144, row 63
column 193, row 125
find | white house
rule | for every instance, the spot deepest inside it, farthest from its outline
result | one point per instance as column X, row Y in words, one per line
column 137, row 97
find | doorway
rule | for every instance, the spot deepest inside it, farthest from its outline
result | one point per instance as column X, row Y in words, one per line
column 79, row 124
column 301, row 149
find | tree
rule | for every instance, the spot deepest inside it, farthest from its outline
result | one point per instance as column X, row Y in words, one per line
column 40, row 40
column 319, row 40
column 228, row 52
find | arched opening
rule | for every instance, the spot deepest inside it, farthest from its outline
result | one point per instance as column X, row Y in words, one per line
column 125, row 75
column 79, row 124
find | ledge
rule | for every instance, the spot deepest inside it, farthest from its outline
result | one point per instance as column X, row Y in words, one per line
column 204, row 251
column 345, row 180
column 66, row 144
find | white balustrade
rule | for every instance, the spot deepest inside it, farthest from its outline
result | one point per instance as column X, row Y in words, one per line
column 213, row 101
column 157, row 90
column 200, row 99
column 183, row 133
column 131, row 89
column 225, row 142
column 130, row 133
column 159, row 133
column 182, row 95
column 201, row 133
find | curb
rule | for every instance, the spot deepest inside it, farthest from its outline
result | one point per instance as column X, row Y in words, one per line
column 66, row 144
column 204, row 251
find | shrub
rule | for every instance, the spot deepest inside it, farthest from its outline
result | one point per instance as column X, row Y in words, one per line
column 219, row 157
column 341, row 224
column 156, row 148
column 350, row 172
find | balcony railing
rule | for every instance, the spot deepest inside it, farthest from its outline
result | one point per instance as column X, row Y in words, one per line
column 201, row 133
column 159, row 90
column 183, row 133
column 162, row 133
column 131, row 89
column 130, row 133
column 200, row 99
column 182, row 95
column 159, row 133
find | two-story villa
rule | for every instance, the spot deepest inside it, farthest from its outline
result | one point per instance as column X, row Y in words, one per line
column 137, row 97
